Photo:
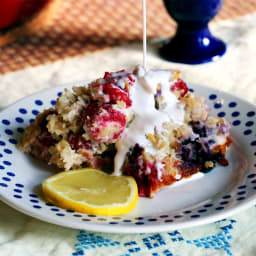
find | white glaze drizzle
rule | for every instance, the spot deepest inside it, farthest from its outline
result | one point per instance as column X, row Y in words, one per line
column 146, row 116
column 144, row 33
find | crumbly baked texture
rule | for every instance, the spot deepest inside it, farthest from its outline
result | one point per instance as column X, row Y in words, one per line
column 87, row 126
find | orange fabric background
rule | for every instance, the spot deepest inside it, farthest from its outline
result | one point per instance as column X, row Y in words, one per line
column 82, row 26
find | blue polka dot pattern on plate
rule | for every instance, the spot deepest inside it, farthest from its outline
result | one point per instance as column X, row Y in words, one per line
column 226, row 197
column 23, row 111
column 6, row 179
column 18, row 196
column 77, row 215
column 35, row 112
column 53, row 102
column 241, row 192
column 17, row 190
column 19, row 120
column 37, row 206
column 152, row 219
column 38, row 102
column 164, row 216
column 235, row 114
column 8, row 132
column 2, row 143
column 91, row 215
column 19, row 185
column 20, row 129
column 7, row 151
column 208, row 205
column 217, row 105
column 232, row 104
column 251, row 113
column 11, row 174
column 241, row 198
column 247, row 132
column 195, row 216
column 136, row 223
column 221, row 114
column 213, row 97
column 34, row 201
column 6, row 122
column 60, row 214
column 236, row 122
column 33, row 195
column 249, row 123
column 55, row 209
column 13, row 141
column 7, row 163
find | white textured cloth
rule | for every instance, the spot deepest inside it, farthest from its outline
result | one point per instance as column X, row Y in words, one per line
column 235, row 73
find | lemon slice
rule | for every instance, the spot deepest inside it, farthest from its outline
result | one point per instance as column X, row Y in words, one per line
column 91, row 191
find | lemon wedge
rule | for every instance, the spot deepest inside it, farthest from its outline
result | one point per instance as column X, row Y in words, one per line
column 91, row 191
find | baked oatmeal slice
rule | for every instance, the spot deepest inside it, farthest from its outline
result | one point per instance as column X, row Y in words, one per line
column 145, row 124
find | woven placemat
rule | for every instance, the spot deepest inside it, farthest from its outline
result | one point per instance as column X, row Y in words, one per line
column 82, row 26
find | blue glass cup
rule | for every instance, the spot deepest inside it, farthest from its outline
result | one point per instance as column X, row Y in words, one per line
column 193, row 42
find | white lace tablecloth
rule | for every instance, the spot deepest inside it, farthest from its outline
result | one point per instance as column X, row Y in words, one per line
column 235, row 73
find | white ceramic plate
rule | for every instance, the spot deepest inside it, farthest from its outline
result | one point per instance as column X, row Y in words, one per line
column 195, row 201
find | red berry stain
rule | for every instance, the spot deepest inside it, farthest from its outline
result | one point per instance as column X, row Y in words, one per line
column 78, row 142
column 97, row 118
column 46, row 139
column 131, row 79
column 115, row 90
column 116, row 94
column 180, row 86
column 145, row 174
column 111, row 75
